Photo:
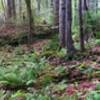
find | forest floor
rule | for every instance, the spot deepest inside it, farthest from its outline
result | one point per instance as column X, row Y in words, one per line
column 43, row 72
column 6, row 30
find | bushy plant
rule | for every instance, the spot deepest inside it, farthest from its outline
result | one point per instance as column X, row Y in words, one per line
column 93, row 95
column 97, row 41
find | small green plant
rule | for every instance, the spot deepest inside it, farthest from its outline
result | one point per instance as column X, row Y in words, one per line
column 98, row 35
column 97, row 41
column 93, row 95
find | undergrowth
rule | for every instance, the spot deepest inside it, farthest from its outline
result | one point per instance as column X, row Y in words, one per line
column 32, row 76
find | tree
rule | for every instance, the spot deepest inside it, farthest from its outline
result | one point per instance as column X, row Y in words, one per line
column 56, row 12
column 81, row 26
column 65, row 24
column 85, row 5
column 68, row 30
column 11, row 9
column 62, row 10
column 29, row 12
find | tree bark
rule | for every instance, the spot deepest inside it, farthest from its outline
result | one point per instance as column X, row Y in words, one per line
column 68, row 36
column 11, row 9
column 56, row 12
column 62, row 10
column 81, row 26
column 85, row 5
column 29, row 12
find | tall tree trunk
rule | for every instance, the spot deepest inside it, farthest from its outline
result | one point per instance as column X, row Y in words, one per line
column 85, row 5
column 68, row 30
column 11, row 9
column 65, row 24
column 62, row 10
column 29, row 12
column 81, row 26
column 14, row 8
column 56, row 12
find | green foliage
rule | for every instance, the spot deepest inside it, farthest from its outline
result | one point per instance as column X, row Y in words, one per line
column 98, row 86
column 32, row 68
column 52, row 44
column 25, row 70
column 73, row 97
column 93, row 95
column 18, row 94
column 97, row 35
column 61, row 53
column 16, row 77
column 98, row 41
column 43, row 79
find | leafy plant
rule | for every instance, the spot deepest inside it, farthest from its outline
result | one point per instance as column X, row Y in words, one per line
column 98, row 41
column 93, row 95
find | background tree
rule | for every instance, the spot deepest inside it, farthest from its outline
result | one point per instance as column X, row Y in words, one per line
column 68, row 29
column 56, row 12
column 29, row 12
column 81, row 26
column 11, row 9
column 65, row 25
column 62, row 10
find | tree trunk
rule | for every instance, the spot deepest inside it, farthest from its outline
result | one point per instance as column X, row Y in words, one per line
column 68, row 30
column 11, row 9
column 56, row 12
column 62, row 10
column 85, row 5
column 29, row 12
column 81, row 26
